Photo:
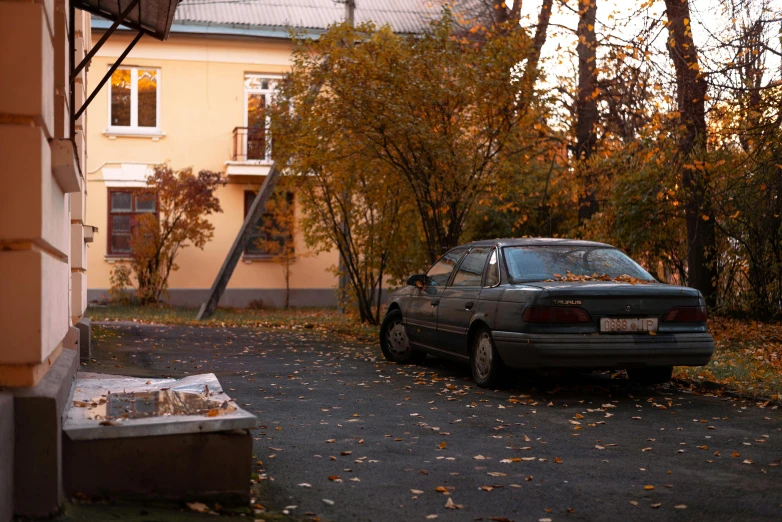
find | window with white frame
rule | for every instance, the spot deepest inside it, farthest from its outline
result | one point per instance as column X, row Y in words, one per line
column 134, row 100
column 258, row 92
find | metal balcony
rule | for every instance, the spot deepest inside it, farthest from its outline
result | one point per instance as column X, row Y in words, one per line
column 251, row 145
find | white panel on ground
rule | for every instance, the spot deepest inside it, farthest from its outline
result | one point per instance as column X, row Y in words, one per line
column 112, row 406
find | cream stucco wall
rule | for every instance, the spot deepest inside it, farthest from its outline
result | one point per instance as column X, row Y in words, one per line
column 41, row 229
column 201, row 101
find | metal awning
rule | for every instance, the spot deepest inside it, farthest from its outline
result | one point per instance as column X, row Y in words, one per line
column 152, row 17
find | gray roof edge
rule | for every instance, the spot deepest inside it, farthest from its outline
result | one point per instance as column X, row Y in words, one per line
column 224, row 29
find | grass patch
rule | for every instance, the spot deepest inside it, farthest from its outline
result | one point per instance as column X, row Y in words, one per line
column 328, row 319
column 747, row 358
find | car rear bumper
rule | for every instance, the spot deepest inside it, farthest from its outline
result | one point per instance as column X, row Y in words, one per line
column 522, row 350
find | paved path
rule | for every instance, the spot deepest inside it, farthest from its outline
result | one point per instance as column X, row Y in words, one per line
column 346, row 436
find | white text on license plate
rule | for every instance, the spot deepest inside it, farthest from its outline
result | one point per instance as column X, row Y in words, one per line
column 615, row 324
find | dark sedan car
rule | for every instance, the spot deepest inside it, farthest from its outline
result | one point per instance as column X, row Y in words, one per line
column 546, row 303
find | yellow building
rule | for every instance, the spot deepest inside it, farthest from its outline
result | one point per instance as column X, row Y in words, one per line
column 196, row 101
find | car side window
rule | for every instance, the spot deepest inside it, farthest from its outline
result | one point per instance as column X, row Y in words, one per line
column 493, row 270
column 470, row 271
column 439, row 274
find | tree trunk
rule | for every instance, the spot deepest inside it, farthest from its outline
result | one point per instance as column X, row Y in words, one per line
column 586, row 102
column 691, row 91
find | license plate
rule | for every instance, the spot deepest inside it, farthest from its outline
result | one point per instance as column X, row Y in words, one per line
column 615, row 324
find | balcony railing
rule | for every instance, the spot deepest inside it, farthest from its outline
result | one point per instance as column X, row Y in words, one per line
column 251, row 144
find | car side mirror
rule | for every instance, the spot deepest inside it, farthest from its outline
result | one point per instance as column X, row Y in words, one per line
column 418, row 280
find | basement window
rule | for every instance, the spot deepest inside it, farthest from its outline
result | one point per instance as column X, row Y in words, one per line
column 272, row 232
column 125, row 207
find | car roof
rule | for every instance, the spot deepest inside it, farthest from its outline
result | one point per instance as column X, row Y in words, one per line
column 537, row 241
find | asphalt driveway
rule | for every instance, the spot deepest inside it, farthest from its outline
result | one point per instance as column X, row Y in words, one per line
column 346, row 436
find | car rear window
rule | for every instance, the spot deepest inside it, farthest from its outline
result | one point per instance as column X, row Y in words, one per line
column 538, row 263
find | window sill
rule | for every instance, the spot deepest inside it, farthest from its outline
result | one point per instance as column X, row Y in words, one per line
column 112, row 258
column 250, row 162
column 152, row 134
column 254, row 258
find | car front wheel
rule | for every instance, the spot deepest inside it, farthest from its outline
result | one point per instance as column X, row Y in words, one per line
column 394, row 342
column 650, row 375
column 487, row 367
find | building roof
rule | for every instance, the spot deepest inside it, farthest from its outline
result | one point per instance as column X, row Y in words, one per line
column 313, row 16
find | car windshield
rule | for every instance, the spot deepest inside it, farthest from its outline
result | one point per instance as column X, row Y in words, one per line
column 571, row 263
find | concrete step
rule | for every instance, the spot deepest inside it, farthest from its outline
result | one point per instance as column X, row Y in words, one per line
column 156, row 438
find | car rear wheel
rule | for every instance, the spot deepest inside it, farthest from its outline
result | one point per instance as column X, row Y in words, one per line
column 394, row 342
column 652, row 375
column 487, row 367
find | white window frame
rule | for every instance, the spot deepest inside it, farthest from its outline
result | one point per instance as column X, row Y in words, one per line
column 133, row 129
column 274, row 79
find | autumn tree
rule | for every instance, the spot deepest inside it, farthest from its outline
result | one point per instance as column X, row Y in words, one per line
column 691, row 90
column 586, row 103
column 438, row 111
column 184, row 200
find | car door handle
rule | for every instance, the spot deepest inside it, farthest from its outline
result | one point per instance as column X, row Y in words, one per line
column 469, row 305
column 435, row 302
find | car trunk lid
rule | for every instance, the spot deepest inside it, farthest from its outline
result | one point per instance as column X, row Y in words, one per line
column 612, row 299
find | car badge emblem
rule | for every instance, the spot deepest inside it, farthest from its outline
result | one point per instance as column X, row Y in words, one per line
column 566, row 302
column 627, row 308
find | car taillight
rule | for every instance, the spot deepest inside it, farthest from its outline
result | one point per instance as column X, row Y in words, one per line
column 686, row 314
column 556, row 314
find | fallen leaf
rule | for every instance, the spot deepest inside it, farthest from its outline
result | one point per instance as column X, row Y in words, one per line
column 328, row 502
column 450, row 505
column 305, row 485
column 430, row 517
column 479, row 457
column 416, row 492
column 735, row 454
column 648, row 487
column 557, row 460
column 680, row 506
column 634, row 502
column 331, row 441
column 655, row 506
column 198, row 507
column 441, row 489
column 443, row 445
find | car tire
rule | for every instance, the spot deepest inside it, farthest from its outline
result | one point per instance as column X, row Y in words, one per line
column 394, row 341
column 485, row 362
column 650, row 375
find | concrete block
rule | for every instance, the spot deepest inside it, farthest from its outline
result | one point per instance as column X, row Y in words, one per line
column 37, row 286
column 35, row 208
column 85, row 338
column 78, row 293
column 38, row 485
column 78, row 212
column 72, row 340
column 78, row 247
column 29, row 53
column 6, row 456
column 211, row 467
